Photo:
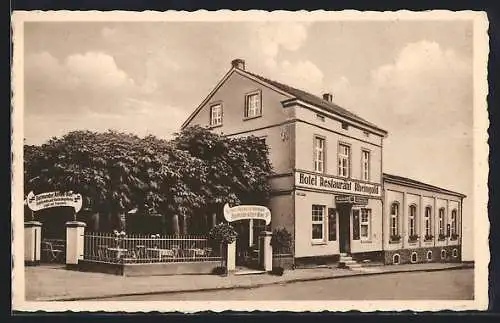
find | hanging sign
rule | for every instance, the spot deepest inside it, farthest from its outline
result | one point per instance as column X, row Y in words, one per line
column 246, row 212
column 54, row 199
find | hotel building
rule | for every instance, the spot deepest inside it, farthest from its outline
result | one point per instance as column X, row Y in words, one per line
column 329, row 188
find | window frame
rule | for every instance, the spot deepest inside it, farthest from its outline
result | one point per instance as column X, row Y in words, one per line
column 342, row 157
column 318, row 222
column 367, row 223
column 365, row 165
column 441, row 222
column 394, row 219
column 454, row 221
column 412, row 216
column 428, row 222
column 246, row 106
column 212, row 106
column 316, row 161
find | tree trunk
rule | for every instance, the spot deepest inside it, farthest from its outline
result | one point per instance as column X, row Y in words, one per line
column 184, row 224
column 175, row 224
column 94, row 223
column 214, row 219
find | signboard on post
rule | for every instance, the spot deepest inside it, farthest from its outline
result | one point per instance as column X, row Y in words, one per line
column 247, row 212
column 54, row 199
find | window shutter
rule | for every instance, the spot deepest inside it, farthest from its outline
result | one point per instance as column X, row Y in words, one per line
column 355, row 224
column 332, row 224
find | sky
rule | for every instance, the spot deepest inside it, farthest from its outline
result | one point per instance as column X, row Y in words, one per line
column 411, row 78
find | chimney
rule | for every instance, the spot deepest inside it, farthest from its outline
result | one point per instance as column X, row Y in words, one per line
column 328, row 97
column 238, row 63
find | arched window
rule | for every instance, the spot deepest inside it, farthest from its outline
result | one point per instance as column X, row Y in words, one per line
column 414, row 258
column 443, row 254
column 428, row 222
column 454, row 222
column 412, row 221
column 441, row 221
column 429, row 255
column 395, row 259
column 395, row 219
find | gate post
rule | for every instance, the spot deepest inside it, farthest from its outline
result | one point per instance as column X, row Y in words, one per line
column 74, row 241
column 32, row 242
column 265, row 251
column 231, row 256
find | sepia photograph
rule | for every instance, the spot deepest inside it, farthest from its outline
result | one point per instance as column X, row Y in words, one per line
column 299, row 161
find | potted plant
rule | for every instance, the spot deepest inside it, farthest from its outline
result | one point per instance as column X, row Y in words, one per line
column 441, row 236
column 395, row 238
column 454, row 236
column 222, row 234
column 281, row 241
column 413, row 238
column 428, row 237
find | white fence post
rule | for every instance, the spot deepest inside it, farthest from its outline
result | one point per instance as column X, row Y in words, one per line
column 32, row 242
column 74, row 241
column 231, row 256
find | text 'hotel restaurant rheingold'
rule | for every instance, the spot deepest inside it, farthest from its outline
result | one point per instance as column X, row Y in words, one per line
column 329, row 188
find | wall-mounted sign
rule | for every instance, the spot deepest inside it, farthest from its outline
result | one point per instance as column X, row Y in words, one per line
column 245, row 212
column 54, row 199
column 335, row 184
column 350, row 199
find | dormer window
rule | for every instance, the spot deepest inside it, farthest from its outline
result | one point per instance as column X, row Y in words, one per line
column 253, row 105
column 216, row 115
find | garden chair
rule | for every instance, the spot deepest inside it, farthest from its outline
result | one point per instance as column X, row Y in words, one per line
column 50, row 253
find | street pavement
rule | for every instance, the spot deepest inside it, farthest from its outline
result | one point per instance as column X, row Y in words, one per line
column 437, row 285
column 52, row 283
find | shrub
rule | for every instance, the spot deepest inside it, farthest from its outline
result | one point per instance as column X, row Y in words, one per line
column 395, row 238
column 223, row 233
column 281, row 240
column 413, row 238
column 219, row 270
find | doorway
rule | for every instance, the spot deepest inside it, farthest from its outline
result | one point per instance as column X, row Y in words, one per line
column 345, row 229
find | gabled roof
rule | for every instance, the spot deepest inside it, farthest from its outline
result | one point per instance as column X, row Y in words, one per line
column 315, row 100
column 413, row 183
column 294, row 93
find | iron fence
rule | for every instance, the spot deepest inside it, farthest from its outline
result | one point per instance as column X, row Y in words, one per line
column 136, row 248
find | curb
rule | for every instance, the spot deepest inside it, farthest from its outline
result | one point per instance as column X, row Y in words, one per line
column 245, row 286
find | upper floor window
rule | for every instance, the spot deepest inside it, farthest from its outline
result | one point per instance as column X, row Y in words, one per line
column 454, row 229
column 441, row 221
column 253, row 105
column 344, row 156
column 216, row 115
column 428, row 223
column 412, row 221
column 365, row 165
column 394, row 220
column 319, row 154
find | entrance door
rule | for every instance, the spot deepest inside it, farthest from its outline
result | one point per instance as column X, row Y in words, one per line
column 345, row 229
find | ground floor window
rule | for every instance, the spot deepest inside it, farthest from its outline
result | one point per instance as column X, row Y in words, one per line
column 365, row 227
column 318, row 216
column 429, row 255
column 395, row 259
column 413, row 258
column 454, row 253
column 443, row 254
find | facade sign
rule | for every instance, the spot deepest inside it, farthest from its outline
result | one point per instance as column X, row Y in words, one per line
column 351, row 199
column 246, row 212
column 335, row 184
column 54, row 199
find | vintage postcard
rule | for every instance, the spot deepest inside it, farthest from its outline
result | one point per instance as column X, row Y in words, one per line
column 271, row 161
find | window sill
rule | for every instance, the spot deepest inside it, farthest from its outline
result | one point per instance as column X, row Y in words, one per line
column 394, row 241
column 365, row 241
column 250, row 118
column 318, row 243
column 215, row 126
column 428, row 241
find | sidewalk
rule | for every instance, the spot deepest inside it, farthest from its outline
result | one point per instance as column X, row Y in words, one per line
column 52, row 283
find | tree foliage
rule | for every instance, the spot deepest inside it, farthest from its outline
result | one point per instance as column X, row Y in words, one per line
column 196, row 172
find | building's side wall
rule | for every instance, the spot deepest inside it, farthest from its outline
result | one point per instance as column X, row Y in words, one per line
column 406, row 196
column 304, row 247
column 282, row 214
